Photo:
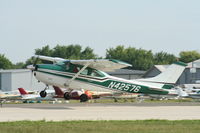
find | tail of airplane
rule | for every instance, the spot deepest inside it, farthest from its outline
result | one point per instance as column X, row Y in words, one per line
column 58, row 91
column 170, row 75
column 22, row 91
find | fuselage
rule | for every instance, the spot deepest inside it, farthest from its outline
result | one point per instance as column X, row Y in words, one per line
column 91, row 79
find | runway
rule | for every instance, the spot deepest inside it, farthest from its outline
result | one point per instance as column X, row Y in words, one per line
column 92, row 111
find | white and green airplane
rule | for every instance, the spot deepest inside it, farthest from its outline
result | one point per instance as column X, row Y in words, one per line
column 90, row 75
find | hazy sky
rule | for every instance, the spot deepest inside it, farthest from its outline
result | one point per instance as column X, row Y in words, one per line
column 168, row 25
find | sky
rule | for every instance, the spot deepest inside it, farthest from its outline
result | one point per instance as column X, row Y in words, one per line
column 158, row 25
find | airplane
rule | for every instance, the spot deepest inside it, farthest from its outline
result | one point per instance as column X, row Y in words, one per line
column 91, row 75
column 191, row 93
column 27, row 96
column 9, row 95
column 74, row 94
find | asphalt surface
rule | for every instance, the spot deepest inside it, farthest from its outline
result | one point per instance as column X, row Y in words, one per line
column 98, row 111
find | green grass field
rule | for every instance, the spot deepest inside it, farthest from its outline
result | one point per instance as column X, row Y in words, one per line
column 140, row 126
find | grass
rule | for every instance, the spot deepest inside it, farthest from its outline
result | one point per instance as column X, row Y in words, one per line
column 138, row 126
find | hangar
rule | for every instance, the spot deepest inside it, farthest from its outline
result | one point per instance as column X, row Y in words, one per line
column 191, row 74
column 11, row 80
column 127, row 73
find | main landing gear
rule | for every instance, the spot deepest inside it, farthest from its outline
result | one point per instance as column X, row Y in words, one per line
column 83, row 98
column 44, row 93
column 67, row 95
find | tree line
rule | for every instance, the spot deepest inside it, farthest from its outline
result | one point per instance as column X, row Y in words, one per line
column 140, row 59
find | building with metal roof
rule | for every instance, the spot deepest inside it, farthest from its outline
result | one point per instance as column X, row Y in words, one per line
column 127, row 73
column 11, row 80
column 191, row 75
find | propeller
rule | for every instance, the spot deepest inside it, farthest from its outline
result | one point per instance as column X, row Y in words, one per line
column 36, row 60
column 34, row 65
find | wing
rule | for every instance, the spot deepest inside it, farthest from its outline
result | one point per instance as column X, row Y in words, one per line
column 99, row 64
column 102, row 64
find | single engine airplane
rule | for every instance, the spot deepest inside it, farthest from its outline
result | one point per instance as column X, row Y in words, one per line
column 90, row 75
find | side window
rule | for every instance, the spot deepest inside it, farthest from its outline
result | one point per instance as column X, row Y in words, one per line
column 85, row 72
column 67, row 66
column 95, row 74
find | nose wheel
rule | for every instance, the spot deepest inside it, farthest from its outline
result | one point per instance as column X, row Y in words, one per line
column 44, row 93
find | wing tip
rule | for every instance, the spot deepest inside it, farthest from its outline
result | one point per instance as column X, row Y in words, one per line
column 120, row 62
column 180, row 63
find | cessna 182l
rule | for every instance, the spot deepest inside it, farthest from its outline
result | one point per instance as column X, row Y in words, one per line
column 90, row 75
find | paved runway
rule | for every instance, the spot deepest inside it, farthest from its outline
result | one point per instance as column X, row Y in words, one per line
column 92, row 111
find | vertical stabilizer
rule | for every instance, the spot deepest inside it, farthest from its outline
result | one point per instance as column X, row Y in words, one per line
column 58, row 91
column 22, row 91
column 170, row 75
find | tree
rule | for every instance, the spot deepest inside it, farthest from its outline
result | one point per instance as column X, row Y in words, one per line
column 164, row 58
column 67, row 52
column 19, row 65
column 5, row 63
column 88, row 53
column 44, row 51
column 139, row 58
column 189, row 56
column 60, row 51
column 116, row 53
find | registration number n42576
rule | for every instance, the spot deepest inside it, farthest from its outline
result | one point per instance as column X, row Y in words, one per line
column 124, row 87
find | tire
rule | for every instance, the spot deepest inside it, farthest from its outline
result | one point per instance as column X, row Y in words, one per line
column 43, row 94
column 67, row 96
column 83, row 98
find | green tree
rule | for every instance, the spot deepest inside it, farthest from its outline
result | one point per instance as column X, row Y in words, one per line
column 164, row 58
column 19, row 65
column 88, row 53
column 139, row 58
column 116, row 53
column 67, row 52
column 44, row 51
column 189, row 56
column 60, row 51
column 5, row 63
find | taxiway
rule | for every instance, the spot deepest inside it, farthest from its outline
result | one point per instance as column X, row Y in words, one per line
column 95, row 111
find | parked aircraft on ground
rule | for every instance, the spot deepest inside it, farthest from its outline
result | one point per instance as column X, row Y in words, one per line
column 90, row 75
column 77, row 94
column 9, row 95
column 73, row 94
column 26, row 96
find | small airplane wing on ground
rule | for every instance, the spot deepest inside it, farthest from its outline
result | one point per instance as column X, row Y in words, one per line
column 99, row 64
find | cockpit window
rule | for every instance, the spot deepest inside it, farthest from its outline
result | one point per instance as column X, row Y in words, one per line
column 95, row 73
column 92, row 72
